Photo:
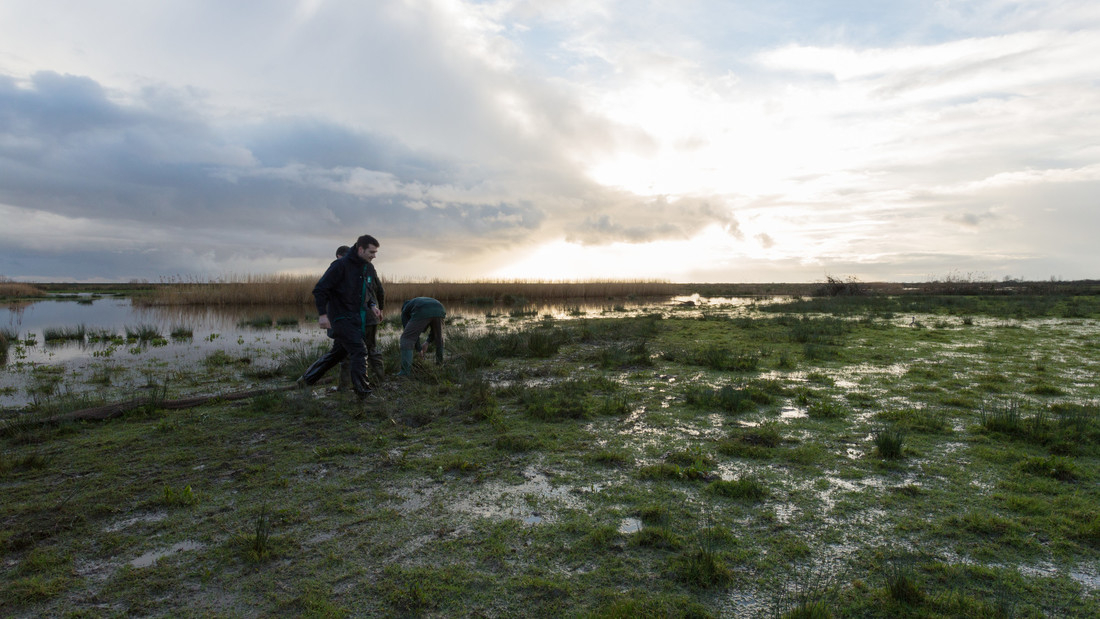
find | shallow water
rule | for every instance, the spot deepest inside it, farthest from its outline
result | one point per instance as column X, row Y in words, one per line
column 212, row 329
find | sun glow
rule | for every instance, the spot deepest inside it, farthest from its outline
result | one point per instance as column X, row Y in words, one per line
column 664, row 260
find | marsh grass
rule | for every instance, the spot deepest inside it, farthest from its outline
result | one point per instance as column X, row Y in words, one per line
column 504, row 489
column 727, row 398
column 257, row 545
column 144, row 333
column 716, row 358
column 916, row 420
column 293, row 361
column 701, row 566
column 746, row 489
column 753, row 443
column 259, row 321
column 8, row 337
column 19, row 290
column 1017, row 418
column 103, row 335
column 625, row 355
column 63, row 334
column 182, row 332
column 889, row 443
column 827, row 409
column 178, row 497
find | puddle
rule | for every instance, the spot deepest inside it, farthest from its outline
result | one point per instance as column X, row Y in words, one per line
column 320, row 538
column 525, row 501
column 152, row 557
column 1088, row 581
column 128, row 522
column 630, row 525
column 792, row 412
column 414, row 499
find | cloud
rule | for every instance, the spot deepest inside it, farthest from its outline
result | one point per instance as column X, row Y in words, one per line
column 465, row 134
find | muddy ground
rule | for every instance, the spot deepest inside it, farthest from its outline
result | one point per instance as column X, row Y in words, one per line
column 838, row 457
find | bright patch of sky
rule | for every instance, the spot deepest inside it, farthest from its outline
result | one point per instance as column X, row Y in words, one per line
column 697, row 140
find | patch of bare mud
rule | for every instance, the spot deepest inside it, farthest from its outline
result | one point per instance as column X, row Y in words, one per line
column 126, row 523
column 531, row 502
column 153, row 556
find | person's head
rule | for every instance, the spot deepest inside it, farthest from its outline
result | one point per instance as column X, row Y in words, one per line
column 341, row 250
column 367, row 246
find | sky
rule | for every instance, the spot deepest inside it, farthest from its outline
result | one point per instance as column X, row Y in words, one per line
column 679, row 140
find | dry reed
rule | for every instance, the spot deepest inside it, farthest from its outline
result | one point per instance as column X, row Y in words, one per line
column 297, row 290
column 19, row 289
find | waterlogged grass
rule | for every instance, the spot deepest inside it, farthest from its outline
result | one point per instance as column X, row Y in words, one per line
column 754, row 462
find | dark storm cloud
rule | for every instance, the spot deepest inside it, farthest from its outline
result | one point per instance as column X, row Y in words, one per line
column 280, row 142
column 67, row 149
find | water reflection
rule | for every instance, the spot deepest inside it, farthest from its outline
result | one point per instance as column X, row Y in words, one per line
column 180, row 336
column 106, row 343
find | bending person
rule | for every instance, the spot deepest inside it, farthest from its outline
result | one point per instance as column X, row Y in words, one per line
column 417, row 316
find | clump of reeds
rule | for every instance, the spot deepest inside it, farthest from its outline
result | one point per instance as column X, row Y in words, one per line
column 7, row 338
column 1055, row 467
column 745, row 489
column 827, row 409
column 181, row 332
column 101, row 334
column 889, row 443
column 261, row 321
column 756, row 442
column 143, row 333
column 727, row 398
column 715, row 358
column 63, row 334
column 700, row 567
column 1012, row 417
column 258, row 546
column 903, row 585
column 622, row 355
column 295, row 360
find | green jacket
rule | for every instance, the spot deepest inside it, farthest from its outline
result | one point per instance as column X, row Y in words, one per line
column 421, row 307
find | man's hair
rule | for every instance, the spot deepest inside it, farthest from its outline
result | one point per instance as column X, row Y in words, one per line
column 341, row 250
column 365, row 240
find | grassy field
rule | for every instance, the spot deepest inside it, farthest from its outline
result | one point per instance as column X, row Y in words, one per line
column 872, row 456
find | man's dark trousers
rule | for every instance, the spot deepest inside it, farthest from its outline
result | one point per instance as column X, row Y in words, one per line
column 347, row 343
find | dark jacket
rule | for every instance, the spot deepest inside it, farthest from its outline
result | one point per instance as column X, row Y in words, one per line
column 348, row 289
column 421, row 307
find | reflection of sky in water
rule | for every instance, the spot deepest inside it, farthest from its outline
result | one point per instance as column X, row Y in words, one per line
column 214, row 328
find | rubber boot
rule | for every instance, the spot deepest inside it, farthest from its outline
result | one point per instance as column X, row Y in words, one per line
column 406, row 363
column 377, row 369
column 345, row 376
column 361, row 385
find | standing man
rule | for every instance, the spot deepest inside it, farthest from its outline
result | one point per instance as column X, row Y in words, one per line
column 345, row 296
column 418, row 315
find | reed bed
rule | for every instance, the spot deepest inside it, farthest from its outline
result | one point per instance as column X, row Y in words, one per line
column 19, row 289
column 298, row 290
column 236, row 290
